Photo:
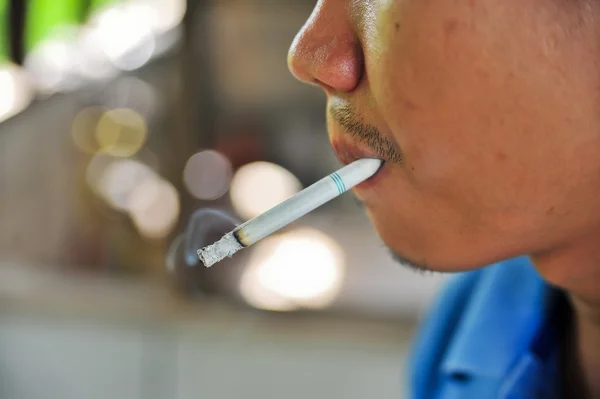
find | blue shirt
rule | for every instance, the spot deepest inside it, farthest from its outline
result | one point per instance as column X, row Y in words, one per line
column 492, row 333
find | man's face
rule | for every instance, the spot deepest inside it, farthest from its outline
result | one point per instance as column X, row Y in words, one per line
column 487, row 113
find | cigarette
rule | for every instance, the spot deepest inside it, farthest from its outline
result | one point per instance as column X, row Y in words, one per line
column 290, row 210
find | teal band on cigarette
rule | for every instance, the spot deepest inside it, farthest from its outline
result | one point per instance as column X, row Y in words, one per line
column 44, row 17
column 4, row 33
column 338, row 182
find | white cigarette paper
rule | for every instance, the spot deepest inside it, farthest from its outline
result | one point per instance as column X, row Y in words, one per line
column 290, row 210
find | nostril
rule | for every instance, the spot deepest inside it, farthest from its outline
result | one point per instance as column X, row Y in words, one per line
column 340, row 71
column 328, row 89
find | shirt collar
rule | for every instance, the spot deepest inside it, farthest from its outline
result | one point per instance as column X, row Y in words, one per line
column 506, row 312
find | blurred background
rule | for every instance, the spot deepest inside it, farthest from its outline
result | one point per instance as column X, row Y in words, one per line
column 133, row 132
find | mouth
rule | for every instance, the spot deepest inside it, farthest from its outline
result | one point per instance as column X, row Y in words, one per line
column 348, row 152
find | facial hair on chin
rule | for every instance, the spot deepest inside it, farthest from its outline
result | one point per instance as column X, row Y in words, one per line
column 419, row 267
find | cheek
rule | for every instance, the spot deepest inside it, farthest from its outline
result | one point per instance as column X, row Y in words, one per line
column 483, row 133
column 423, row 86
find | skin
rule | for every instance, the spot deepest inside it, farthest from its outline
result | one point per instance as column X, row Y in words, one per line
column 487, row 113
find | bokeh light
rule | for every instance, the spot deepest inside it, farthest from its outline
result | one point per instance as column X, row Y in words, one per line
column 124, row 33
column 117, row 36
column 53, row 63
column 9, row 92
column 137, row 57
column 93, row 64
column 166, row 14
column 259, row 297
column 83, row 128
column 299, row 269
column 133, row 188
column 96, row 168
column 207, row 175
column 121, row 132
column 16, row 90
column 132, row 92
column 154, row 208
column 259, row 186
column 119, row 180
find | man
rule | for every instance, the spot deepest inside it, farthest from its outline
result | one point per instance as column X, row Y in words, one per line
column 487, row 113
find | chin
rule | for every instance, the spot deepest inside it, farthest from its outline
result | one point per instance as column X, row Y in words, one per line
column 439, row 251
column 432, row 261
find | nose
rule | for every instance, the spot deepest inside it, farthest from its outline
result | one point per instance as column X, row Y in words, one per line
column 326, row 51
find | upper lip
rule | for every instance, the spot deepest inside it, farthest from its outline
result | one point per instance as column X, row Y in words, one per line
column 348, row 152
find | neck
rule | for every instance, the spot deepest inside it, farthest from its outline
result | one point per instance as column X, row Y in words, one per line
column 576, row 269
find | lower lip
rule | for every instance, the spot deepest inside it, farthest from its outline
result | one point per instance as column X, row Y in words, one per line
column 373, row 180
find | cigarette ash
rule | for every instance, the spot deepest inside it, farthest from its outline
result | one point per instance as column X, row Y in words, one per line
column 226, row 247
